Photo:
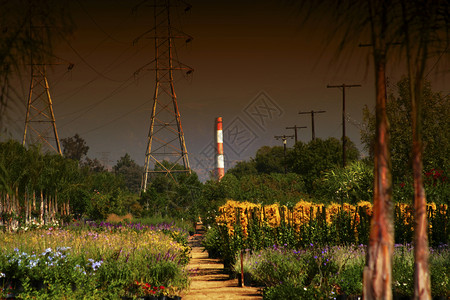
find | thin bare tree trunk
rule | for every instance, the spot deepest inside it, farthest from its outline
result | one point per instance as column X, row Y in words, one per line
column 55, row 207
column 46, row 209
column 422, row 283
column 8, row 203
column 41, row 213
column 25, row 204
column 34, row 200
column 378, row 269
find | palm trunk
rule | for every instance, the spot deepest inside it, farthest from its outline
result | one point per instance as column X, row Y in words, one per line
column 41, row 213
column 422, row 284
column 34, row 200
column 25, row 205
column 378, row 269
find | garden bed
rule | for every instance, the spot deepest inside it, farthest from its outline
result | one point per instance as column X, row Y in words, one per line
column 98, row 261
column 315, row 252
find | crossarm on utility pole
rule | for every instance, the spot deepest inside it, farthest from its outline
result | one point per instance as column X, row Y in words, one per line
column 343, row 86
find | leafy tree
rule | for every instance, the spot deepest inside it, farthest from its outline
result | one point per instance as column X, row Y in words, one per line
column 263, row 188
column 270, row 160
column 74, row 147
column 243, row 168
column 351, row 184
column 435, row 128
column 227, row 188
column 92, row 165
column 176, row 196
column 317, row 156
column 130, row 171
column 106, row 192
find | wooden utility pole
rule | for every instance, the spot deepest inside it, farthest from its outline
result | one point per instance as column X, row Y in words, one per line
column 295, row 127
column 284, row 139
column 343, row 86
column 312, row 112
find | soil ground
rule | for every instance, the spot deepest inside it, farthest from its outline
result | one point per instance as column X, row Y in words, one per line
column 209, row 280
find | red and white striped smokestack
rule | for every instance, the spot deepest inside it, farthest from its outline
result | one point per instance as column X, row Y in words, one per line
column 220, row 165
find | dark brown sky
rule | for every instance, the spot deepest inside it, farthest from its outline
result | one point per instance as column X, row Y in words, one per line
column 243, row 52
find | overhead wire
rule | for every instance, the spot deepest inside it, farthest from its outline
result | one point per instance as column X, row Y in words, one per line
column 98, row 25
column 88, row 108
column 437, row 61
column 108, row 68
column 123, row 86
column 108, row 36
column 88, row 64
column 117, row 118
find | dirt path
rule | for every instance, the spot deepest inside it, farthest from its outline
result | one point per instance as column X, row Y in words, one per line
column 210, row 282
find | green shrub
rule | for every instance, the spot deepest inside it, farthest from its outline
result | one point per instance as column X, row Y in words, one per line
column 440, row 271
column 350, row 184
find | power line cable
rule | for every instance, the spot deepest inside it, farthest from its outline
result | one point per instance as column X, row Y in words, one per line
column 88, row 64
column 98, row 26
column 109, row 68
column 437, row 61
column 118, row 118
column 92, row 106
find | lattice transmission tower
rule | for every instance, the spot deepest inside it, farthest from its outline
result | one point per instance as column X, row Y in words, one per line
column 166, row 147
column 40, row 124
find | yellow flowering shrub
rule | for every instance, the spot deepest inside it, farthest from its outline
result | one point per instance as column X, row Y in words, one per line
column 366, row 205
column 272, row 215
column 406, row 211
column 303, row 212
column 229, row 218
column 443, row 209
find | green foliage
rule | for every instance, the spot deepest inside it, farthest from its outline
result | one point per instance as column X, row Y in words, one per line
column 435, row 130
column 243, row 168
column 310, row 160
column 220, row 244
column 313, row 272
column 179, row 198
column 351, row 184
column 130, row 171
column 88, row 191
column 403, row 271
column 101, row 262
column 262, row 188
column 270, row 160
column 74, row 147
column 291, row 290
column 439, row 265
column 437, row 186
column 277, row 265
column 307, row 160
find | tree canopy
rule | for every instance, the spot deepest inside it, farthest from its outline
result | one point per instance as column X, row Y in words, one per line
column 130, row 171
column 74, row 147
column 436, row 129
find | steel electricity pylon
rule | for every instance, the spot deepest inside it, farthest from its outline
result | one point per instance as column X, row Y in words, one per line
column 166, row 147
column 40, row 124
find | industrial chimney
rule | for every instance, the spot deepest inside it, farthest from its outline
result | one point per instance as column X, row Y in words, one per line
column 220, row 165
